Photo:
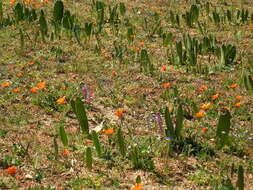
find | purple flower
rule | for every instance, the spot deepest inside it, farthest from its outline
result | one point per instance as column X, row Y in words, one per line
column 157, row 117
column 86, row 93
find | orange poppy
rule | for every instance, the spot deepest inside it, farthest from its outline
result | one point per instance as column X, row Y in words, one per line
column 204, row 130
column 237, row 104
column 37, row 6
column 215, row 96
column 12, row 2
column 113, row 73
column 233, row 85
column 41, row 85
column 200, row 114
column 205, row 106
column 166, row 85
column 141, row 44
column 12, row 170
column 238, row 98
column 5, row 84
column 203, row 88
column 19, row 74
column 34, row 90
column 16, row 90
column 65, row 152
column 137, row 186
column 61, row 101
column 137, row 49
column 119, row 112
column 31, row 63
column 109, row 131
column 163, row 68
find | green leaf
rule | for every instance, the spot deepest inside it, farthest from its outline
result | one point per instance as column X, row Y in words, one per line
column 56, row 151
column 89, row 158
column 1, row 13
column 179, row 121
column 170, row 128
column 43, row 24
column 167, row 39
column 122, row 9
column 18, row 10
column 63, row 136
column 222, row 133
column 96, row 143
column 138, row 179
column 121, row 143
column 58, row 11
column 240, row 180
column 81, row 116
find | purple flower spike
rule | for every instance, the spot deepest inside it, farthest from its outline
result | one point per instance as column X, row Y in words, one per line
column 86, row 93
column 159, row 122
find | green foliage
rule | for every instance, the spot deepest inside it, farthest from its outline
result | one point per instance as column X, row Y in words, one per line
column 58, row 11
column 43, row 25
column 227, row 54
column 79, row 110
column 247, row 80
column 223, row 128
column 192, row 16
column 63, row 136
column 240, row 178
column 146, row 65
column 171, row 131
column 121, row 143
column 167, row 39
column 140, row 159
column 96, row 143
column 1, row 13
column 88, row 158
column 19, row 12
column 122, row 9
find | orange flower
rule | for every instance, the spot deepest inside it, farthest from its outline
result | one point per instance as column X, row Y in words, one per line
column 109, row 131
column 37, row 6
column 61, row 101
column 34, row 90
column 215, row 96
column 137, row 186
column 137, row 49
column 19, row 74
column 5, row 84
column 163, row 68
column 31, row 63
column 205, row 106
column 41, row 85
column 12, row 170
column 237, row 104
column 238, row 98
column 204, row 130
column 12, row 2
column 103, row 51
column 141, row 44
column 65, row 152
column 113, row 73
column 203, row 88
column 119, row 113
column 233, row 85
column 200, row 114
column 166, row 85
column 16, row 90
